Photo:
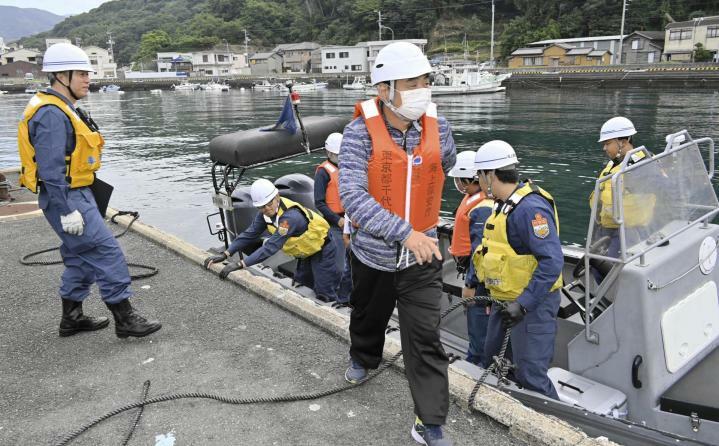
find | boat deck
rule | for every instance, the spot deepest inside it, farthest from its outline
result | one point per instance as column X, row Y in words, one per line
column 216, row 337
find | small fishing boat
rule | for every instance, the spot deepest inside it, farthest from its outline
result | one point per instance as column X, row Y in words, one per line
column 185, row 86
column 358, row 83
column 112, row 88
column 266, row 85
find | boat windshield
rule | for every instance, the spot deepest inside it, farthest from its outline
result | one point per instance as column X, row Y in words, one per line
column 653, row 200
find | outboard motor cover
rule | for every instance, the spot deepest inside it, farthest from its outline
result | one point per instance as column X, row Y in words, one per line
column 297, row 187
column 242, row 215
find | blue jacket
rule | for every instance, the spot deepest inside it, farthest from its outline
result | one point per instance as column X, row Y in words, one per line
column 53, row 138
column 297, row 225
column 477, row 218
column 547, row 251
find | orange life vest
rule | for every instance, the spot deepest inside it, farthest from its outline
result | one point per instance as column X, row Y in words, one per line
column 461, row 243
column 408, row 185
column 332, row 196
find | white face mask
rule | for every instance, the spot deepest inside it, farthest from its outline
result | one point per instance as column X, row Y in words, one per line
column 414, row 103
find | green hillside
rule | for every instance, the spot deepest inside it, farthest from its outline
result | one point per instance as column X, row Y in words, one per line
column 186, row 24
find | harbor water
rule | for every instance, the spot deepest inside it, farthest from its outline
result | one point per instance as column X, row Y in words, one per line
column 156, row 152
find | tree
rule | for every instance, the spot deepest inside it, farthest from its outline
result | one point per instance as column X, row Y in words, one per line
column 150, row 43
column 701, row 54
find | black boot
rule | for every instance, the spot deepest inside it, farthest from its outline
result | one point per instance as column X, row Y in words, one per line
column 73, row 321
column 130, row 323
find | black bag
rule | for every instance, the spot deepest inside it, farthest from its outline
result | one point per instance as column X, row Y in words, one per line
column 102, row 192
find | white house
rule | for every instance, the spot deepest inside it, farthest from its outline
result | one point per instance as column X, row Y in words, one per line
column 22, row 54
column 344, row 59
column 681, row 38
column 610, row 43
column 102, row 61
column 357, row 58
column 222, row 60
column 173, row 61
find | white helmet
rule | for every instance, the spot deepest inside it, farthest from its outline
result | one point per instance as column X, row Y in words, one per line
column 65, row 57
column 495, row 154
column 464, row 166
column 399, row 60
column 262, row 192
column 333, row 142
column 617, row 127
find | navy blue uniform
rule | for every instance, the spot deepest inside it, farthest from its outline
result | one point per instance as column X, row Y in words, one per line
column 477, row 317
column 321, row 264
column 322, row 179
column 94, row 256
column 533, row 338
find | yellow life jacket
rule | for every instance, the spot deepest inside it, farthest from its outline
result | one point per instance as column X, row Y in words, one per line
column 309, row 242
column 81, row 164
column 638, row 208
column 504, row 272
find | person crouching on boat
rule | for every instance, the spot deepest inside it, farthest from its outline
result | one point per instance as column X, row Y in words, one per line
column 60, row 151
column 469, row 220
column 327, row 201
column 299, row 232
column 520, row 262
column 616, row 138
column 394, row 157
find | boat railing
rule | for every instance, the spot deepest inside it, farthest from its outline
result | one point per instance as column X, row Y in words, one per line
column 653, row 201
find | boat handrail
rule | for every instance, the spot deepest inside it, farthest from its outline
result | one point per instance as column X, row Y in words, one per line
column 672, row 148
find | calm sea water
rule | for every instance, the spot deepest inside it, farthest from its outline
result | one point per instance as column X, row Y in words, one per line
column 157, row 144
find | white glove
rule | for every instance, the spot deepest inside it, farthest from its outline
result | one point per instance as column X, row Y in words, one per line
column 73, row 223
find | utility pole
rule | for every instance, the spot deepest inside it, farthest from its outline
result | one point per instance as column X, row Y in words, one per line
column 111, row 42
column 491, row 44
column 246, row 40
column 379, row 23
column 621, row 31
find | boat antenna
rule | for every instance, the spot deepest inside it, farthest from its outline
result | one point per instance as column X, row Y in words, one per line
column 295, row 98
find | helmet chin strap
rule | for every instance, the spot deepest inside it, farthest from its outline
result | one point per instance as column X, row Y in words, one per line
column 72, row 93
column 390, row 105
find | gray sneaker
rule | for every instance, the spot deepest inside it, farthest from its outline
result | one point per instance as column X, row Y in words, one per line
column 431, row 435
column 355, row 373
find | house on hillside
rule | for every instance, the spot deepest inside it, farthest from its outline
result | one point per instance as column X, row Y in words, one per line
column 343, row 59
column 680, row 38
column 50, row 41
column 21, row 55
column 264, row 64
column 296, row 57
column 222, row 60
column 609, row 43
column 558, row 55
column 642, row 47
column 102, row 61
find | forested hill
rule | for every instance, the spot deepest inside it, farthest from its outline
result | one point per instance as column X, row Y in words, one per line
column 191, row 24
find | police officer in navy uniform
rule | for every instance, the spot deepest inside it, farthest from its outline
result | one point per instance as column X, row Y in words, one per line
column 520, row 262
column 296, row 230
column 60, row 151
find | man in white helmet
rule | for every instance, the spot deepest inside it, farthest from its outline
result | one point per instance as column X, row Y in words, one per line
column 394, row 158
column 60, row 150
column 469, row 219
column 296, row 230
column 520, row 262
column 616, row 137
column 328, row 203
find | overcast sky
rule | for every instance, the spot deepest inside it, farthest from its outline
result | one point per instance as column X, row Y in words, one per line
column 59, row 7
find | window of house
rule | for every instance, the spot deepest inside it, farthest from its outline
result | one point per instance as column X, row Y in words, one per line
column 636, row 44
column 528, row 61
column 225, row 71
column 713, row 31
column 329, row 55
column 347, row 67
column 10, row 59
column 680, row 34
column 344, row 54
column 204, row 58
column 31, row 59
column 356, row 67
column 220, row 57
